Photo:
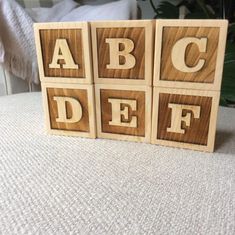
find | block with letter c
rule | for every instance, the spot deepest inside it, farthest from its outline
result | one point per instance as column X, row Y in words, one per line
column 189, row 53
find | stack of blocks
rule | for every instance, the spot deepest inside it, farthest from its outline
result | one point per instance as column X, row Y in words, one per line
column 154, row 81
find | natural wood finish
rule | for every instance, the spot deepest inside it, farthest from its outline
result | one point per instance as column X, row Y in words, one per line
column 134, row 112
column 73, row 38
column 84, row 126
column 198, row 119
column 169, row 33
column 76, row 38
column 134, row 49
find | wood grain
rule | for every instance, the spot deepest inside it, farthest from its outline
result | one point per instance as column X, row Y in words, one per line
column 81, row 96
column 205, row 75
column 74, row 39
column 137, row 35
column 197, row 132
column 123, row 71
column 106, row 112
column 200, row 133
column 137, row 114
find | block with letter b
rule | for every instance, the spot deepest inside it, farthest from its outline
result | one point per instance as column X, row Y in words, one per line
column 123, row 112
column 189, row 53
column 123, row 52
column 184, row 118
column 69, row 109
column 64, row 52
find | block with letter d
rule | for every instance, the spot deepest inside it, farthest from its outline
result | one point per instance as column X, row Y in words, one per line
column 69, row 109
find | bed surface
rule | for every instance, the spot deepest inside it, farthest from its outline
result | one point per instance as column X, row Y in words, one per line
column 70, row 185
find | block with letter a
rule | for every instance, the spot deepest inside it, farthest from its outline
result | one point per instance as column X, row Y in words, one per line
column 188, row 66
column 64, row 52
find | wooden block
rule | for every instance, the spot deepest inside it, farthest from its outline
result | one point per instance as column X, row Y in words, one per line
column 123, row 52
column 63, row 51
column 69, row 109
column 184, row 118
column 189, row 53
column 123, row 112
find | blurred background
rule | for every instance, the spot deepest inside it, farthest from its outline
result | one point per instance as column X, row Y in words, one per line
column 151, row 9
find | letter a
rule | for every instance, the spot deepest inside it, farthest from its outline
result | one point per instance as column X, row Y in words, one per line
column 62, row 52
column 62, row 113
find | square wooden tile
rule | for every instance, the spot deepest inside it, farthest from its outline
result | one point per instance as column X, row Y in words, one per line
column 64, row 52
column 123, row 52
column 184, row 118
column 69, row 109
column 189, row 53
column 123, row 112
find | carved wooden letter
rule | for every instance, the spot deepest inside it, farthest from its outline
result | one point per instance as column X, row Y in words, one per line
column 62, row 52
column 115, row 53
column 62, row 113
column 179, row 51
column 117, row 112
column 177, row 118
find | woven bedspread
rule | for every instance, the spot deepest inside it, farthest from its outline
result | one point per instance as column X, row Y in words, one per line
column 67, row 185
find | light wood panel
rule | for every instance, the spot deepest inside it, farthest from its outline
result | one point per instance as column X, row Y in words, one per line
column 84, row 95
column 171, row 32
column 77, row 38
column 134, row 103
column 140, row 33
column 198, row 126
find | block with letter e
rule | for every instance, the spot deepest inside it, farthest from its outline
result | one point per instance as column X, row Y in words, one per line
column 123, row 112
column 69, row 109
column 123, row 52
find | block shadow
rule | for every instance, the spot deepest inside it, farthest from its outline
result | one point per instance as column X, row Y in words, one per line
column 221, row 140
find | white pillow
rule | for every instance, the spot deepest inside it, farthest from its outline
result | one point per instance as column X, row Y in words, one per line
column 118, row 10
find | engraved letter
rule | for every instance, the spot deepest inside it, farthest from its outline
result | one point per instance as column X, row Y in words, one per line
column 115, row 53
column 62, row 113
column 177, row 118
column 62, row 52
column 179, row 50
column 117, row 112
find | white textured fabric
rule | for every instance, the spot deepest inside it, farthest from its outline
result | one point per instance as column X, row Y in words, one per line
column 17, row 46
column 70, row 185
